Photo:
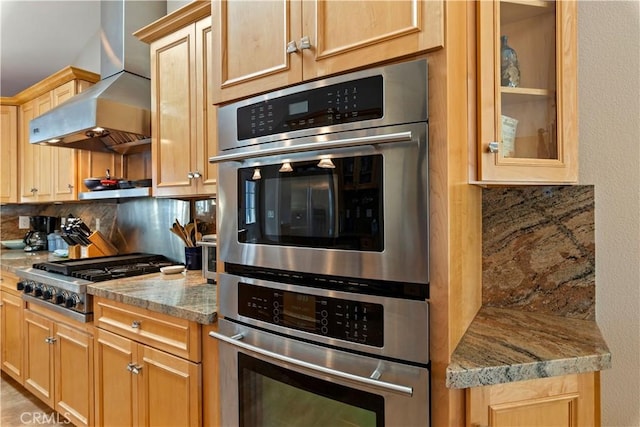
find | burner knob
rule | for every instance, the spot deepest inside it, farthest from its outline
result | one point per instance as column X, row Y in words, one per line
column 70, row 302
column 47, row 294
column 20, row 286
column 28, row 287
column 58, row 299
column 38, row 291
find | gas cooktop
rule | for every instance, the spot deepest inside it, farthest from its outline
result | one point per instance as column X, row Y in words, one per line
column 106, row 268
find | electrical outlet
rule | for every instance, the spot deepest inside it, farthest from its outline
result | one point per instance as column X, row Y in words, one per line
column 97, row 227
column 23, row 222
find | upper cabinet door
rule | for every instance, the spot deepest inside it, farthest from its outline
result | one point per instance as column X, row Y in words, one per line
column 64, row 159
column 527, row 92
column 174, row 107
column 343, row 35
column 9, row 158
column 255, row 46
column 260, row 46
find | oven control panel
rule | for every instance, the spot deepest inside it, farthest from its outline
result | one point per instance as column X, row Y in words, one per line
column 354, row 321
column 352, row 101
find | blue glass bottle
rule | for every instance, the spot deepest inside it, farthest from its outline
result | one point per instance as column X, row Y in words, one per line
column 509, row 68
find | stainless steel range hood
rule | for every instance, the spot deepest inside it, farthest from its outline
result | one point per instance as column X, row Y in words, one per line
column 115, row 113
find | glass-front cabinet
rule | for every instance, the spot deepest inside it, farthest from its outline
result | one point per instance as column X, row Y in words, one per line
column 527, row 92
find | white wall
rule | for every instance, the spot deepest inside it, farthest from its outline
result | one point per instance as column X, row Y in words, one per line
column 609, row 114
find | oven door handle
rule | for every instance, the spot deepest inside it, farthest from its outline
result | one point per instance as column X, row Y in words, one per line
column 314, row 146
column 235, row 341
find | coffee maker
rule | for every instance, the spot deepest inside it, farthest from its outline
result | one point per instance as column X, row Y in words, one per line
column 36, row 237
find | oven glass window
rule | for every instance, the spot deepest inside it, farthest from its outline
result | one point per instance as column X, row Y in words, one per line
column 331, row 203
column 271, row 396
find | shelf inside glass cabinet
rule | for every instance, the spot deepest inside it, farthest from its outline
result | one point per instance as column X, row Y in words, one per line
column 528, row 107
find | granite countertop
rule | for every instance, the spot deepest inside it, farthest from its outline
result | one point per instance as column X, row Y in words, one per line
column 184, row 295
column 15, row 259
column 506, row 345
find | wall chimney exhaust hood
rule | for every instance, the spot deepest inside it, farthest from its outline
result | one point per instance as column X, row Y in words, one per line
column 115, row 113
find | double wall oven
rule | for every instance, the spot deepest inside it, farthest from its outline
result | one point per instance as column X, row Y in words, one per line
column 323, row 203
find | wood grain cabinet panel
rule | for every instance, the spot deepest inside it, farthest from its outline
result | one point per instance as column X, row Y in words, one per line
column 58, row 365
column 9, row 156
column 137, row 384
column 565, row 401
column 527, row 125
column 183, row 118
column 12, row 335
column 305, row 40
column 47, row 174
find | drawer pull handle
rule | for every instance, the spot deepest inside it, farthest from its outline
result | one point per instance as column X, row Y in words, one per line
column 135, row 324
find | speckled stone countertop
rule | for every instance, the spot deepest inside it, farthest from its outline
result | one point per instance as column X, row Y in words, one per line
column 184, row 295
column 506, row 345
column 12, row 260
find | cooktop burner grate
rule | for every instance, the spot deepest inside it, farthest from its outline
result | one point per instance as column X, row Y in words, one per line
column 106, row 268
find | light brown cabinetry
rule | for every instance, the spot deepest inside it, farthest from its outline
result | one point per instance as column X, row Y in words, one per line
column 184, row 133
column 557, row 401
column 148, row 367
column 11, row 324
column 527, row 109
column 304, row 40
column 9, row 158
column 47, row 173
column 58, row 364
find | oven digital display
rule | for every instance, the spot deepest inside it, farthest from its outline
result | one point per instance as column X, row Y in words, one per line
column 299, row 107
column 354, row 321
column 339, row 103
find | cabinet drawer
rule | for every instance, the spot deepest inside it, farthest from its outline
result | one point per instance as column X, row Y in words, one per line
column 177, row 336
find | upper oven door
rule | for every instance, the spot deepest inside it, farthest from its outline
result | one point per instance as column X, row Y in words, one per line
column 350, row 204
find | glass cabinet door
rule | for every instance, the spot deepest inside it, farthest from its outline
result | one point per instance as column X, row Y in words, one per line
column 527, row 91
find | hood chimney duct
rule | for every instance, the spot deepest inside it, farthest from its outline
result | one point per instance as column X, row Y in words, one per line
column 115, row 113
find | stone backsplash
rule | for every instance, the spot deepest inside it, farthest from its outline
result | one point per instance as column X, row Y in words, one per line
column 538, row 249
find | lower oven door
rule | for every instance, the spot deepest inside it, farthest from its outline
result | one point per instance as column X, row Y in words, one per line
column 269, row 380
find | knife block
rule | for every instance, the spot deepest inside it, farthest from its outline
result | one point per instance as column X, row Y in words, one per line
column 99, row 246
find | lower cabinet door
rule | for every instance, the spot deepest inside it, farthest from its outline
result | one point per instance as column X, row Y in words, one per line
column 38, row 356
column 12, row 333
column 74, row 375
column 115, row 387
column 137, row 385
column 563, row 401
column 170, row 390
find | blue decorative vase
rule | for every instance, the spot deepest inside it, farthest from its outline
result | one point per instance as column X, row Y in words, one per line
column 509, row 69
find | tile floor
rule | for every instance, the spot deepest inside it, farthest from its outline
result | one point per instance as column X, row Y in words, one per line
column 18, row 407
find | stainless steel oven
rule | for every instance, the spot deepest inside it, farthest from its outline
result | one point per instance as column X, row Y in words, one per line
column 323, row 199
column 294, row 355
column 329, row 177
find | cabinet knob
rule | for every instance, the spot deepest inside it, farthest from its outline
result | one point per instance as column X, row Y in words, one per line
column 196, row 174
column 190, row 175
column 291, row 47
column 50, row 340
column 34, row 190
column 494, row 147
column 135, row 324
column 305, row 43
column 70, row 186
